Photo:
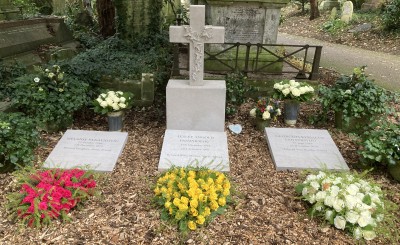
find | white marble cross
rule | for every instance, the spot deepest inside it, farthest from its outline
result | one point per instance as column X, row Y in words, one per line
column 196, row 35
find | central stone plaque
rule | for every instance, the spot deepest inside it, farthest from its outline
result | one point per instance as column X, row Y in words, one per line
column 183, row 148
column 293, row 149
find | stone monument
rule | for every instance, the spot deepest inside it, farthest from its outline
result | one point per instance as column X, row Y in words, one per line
column 196, row 107
column 328, row 5
column 347, row 11
column 8, row 11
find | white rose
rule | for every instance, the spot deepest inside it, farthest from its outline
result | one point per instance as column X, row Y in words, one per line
column 103, row 95
column 266, row 115
column 303, row 90
column 311, row 177
column 339, row 222
column 115, row 107
column 310, row 89
column 111, row 93
column 296, row 92
column 116, row 99
column 315, row 185
column 122, row 99
column 286, row 91
column 311, row 199
column 99, row 100
column 285, row 86
column 276, row 86
column 109, row 101
column 364, row 219
column 320, row 195
column 338, row 205
column 321, row 175
column 253, row 112
column 337, row 180
column 329, row 200
column 352, row 216
column 357, row 233
column 352, row 189
column 368, row 235
column 292, row 82
column 104, row 104
column 36, row 79
column 334, row 190
column 351, row 201
column 122, row 105
column 278, row 112
column 328, row 215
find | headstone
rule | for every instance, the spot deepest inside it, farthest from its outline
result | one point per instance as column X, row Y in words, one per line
column 347, row 11
column 25, row 35
column 8, row 11
column 254, row 21
column 194, row 148
column 361, row 28
column 328, row 5
column 196, row 104
column 97, row 150
column 296, row 149
column 333, row 14
column 372, row 5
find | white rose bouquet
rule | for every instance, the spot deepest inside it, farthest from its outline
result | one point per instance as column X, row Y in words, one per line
column 346, row 201
column 292, row 90
column 112, row 101
column 266, row 109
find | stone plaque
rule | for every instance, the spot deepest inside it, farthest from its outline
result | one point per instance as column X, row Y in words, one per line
column 99, row 150
column 294, row 149
column 183, row 148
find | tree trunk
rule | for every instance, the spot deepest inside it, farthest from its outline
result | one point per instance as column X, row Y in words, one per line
column 314, row 9
column 106, row 17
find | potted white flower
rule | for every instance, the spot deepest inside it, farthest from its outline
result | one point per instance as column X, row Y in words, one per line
column 113, row 104
column 265, row 111
column 292, row 93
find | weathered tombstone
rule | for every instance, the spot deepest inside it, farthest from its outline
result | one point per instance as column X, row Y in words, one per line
column 372, row 5
column 196, row 104
column 333, row 14
column 96, row 150
column 295, row 149
column 361, row 28
column 347, row 11
column 328, row 5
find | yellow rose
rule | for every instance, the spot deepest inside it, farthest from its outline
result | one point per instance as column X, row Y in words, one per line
column 222, row 201
column 200, row 219
column 192, row 225
column 194, row 203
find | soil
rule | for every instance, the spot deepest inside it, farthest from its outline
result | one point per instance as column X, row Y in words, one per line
column 297, row 23
column 266, row 209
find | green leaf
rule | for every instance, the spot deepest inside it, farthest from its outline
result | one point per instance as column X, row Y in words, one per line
column 299, row 188
column 367, row 199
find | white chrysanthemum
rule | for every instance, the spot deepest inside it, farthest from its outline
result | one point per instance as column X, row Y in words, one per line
column 36, row 79
column 321, row 175
column 104, row 104
column 315, row 185
column 253, row 112
column 352, row 216
column 296, row 92
column 320, row 195
column 368, row 235
column 122, row 105
column 357, row 233
column 339, row 222
column 286, row 91
column 352, row 189
column 329, row 200
column 364, row 219
column 266, row 115
column 351, row 201
column 311, row 177
column 311, row 199
column 338, row 205
column 334, row 190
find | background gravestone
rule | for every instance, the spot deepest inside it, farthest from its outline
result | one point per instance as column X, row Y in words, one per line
column 8, row 11
column 347, row 12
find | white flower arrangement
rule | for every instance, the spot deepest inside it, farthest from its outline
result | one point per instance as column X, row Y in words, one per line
column 266, row 109
column 112, row 101
column 345, row 201
column 290, row 89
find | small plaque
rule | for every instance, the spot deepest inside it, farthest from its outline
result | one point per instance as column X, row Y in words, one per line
column 295, row 149
column 97, row 150
column 183, row 148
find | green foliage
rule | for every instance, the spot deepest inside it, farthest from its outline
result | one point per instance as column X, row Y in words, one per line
column 391, row 16
column 49, row 96
column 18, row 137
column 28, row 7
column 8, row 73
column 334, row 26
column 236, row 90
column 355, row 96
column 382, row 143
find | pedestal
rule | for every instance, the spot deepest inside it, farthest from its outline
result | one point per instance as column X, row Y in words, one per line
column 197, row 108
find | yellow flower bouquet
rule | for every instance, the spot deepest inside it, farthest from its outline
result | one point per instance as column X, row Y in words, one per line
column 192, row 197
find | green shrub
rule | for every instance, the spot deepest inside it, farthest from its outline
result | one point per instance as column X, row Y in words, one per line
column 391, row 16
column 8, row 73
column 236, row 90
column 334, row 26
column 18, row 139
column 49, row 96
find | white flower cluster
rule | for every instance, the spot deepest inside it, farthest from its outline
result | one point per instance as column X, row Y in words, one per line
column 294, row 88
column 112, row 99
column 346, row 202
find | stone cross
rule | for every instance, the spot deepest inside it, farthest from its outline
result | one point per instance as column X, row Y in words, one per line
column 196, row 34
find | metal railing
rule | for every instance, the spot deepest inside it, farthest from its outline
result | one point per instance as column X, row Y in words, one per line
column 303, row 60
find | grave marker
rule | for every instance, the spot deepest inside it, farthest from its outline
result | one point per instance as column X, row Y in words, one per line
column 99, row 150
column 347, row 12
column 294, row 149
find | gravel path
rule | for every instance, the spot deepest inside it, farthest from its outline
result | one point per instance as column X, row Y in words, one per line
column 383, row 68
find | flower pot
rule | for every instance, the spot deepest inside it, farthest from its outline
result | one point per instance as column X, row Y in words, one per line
column 355, row 125
column 291, row 111
column 394, row 170
column 115, row 121
column 261, row 124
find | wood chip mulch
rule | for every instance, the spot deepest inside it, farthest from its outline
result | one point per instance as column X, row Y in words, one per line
column 266, row 209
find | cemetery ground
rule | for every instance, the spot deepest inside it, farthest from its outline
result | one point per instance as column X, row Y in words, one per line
column 266, row 209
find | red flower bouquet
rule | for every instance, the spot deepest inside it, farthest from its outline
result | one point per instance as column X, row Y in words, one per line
column 49, row 194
